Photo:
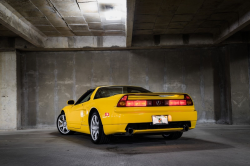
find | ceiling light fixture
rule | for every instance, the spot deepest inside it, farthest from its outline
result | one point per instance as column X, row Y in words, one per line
column 113, row 15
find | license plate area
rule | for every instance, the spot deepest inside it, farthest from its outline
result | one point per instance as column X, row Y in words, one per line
column 160, row 119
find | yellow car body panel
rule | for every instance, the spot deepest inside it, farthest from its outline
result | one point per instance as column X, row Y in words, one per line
column 77, row 116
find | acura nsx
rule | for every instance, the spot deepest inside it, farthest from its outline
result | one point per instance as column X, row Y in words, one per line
column 127, row 110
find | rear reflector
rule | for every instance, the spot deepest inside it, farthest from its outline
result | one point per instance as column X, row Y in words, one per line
column 169, row 118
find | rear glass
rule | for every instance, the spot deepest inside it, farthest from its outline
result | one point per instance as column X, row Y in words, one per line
column 111, row 91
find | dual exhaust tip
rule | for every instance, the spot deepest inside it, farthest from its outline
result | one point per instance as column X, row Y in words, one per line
column 130, row 131
column 185, row 128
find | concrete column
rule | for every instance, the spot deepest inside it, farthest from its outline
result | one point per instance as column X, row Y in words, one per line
column 8, row 91
column 239, row 77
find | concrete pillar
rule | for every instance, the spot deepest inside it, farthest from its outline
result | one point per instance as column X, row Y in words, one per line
column 239, row 78
column 9, row 116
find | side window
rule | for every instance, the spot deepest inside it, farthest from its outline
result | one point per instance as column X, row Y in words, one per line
column 85, row 97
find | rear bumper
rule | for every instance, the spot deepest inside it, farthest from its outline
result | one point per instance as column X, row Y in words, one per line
column 121, row 128
column 141, row 121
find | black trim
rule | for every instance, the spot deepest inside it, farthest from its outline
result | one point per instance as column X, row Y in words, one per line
column 144, row 126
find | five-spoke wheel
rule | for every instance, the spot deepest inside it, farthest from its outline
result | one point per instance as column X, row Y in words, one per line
column 96, row 129
column 62, row 125
column 94, row 126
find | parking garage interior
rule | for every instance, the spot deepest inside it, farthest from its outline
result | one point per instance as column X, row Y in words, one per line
column 52, row 51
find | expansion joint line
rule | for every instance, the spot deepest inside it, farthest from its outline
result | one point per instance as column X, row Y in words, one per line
column 57, row 12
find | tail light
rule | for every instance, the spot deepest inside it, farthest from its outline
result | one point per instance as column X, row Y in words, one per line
column 136, row 103
column 188, row 99
column 177, row 102
column 124, row 102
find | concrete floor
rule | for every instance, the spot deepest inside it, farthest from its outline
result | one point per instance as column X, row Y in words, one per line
column 205, row 145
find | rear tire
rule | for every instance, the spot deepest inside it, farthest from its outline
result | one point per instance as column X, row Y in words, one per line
column 62, row 125
column 96, row 130
column 172, row 136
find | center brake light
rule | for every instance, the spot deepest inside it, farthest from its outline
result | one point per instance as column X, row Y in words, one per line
column 124, row 102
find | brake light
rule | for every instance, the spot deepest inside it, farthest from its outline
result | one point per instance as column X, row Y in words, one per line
column 124, row 102
column 124, row 98
column 136, row 103
column 130, row 103
column 187, row 97
column 177, row 102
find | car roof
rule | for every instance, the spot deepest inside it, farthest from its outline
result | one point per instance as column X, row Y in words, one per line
column 117, row 86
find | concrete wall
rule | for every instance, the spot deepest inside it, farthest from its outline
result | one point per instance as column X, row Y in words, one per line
column 216, row 78
column 239, row 78
column 49, row 79
column 9, row 110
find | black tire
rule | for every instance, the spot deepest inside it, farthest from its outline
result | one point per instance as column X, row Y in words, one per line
column 96, row 130
column 61, row 125
column 172, row 136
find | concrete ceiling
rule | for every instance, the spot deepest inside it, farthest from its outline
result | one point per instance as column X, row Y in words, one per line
column 185, row 16
column 56, row 18
column 84, row 24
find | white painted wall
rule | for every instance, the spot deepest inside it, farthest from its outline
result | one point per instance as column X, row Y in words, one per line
column 8, row 91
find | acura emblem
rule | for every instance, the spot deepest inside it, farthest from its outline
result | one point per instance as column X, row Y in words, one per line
column 158, row 102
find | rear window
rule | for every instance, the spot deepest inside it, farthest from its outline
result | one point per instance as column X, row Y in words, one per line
column 111, row 91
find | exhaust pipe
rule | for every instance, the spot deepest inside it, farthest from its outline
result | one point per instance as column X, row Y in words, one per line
column 185, row 127
column 130, row 131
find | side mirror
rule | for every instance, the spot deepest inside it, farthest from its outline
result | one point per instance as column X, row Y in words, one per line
column 71, row 102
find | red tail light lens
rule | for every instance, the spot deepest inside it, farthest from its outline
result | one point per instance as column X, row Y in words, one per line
column 137, row 103
column 177, row 102
column 130, row 104
column 124, row 98
column 124, row 102
column 188, row 99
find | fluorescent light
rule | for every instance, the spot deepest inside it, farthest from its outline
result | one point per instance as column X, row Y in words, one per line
column 113, row 15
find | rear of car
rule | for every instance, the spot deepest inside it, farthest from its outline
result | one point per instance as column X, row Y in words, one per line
column 147, row 112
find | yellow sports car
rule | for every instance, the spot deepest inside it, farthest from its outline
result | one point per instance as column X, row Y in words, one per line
column 111, row 110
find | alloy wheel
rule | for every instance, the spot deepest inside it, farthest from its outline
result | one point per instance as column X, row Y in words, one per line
column 94, row 127
column 62, row 124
